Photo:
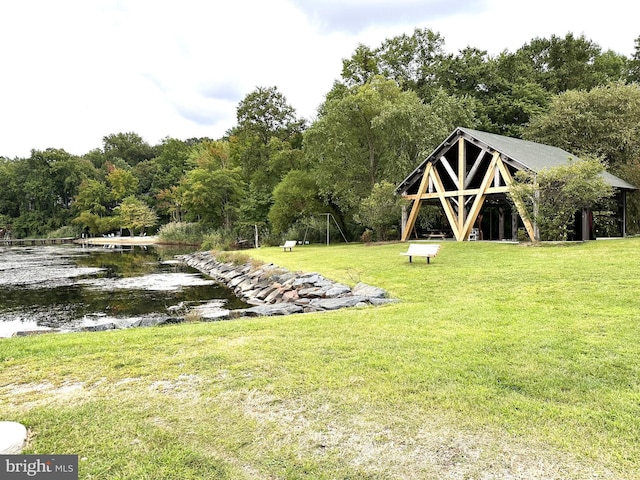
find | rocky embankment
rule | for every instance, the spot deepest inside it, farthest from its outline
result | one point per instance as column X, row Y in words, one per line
column 269, row 289
column 272, row 290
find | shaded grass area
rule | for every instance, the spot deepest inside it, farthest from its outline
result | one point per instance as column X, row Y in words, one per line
column 499, row 360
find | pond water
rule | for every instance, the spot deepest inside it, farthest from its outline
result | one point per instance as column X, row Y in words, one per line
column 67, row 287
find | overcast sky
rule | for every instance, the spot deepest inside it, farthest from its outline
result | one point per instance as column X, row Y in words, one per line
column 74, row 71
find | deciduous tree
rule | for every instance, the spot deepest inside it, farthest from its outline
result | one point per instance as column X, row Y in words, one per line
column 134, row 214
column 552, row 196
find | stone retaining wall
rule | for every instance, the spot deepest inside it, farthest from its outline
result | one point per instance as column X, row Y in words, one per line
column 273, row 290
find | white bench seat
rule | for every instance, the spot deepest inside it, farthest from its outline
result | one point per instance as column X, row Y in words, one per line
column 428, row 250
column 288, row 244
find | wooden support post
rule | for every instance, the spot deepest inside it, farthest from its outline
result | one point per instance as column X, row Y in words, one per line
column 446, row 205
column 528, row 224
column 479, row 200
column 461, row 175
column 411, row 221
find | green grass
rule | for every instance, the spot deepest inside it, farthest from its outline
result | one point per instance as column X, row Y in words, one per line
column 499, row 360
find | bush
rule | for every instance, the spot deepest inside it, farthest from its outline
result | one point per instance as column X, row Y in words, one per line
column 181, row 233
column 236, row 258
column 367, row 236
column 67, row 231
column 219, row 240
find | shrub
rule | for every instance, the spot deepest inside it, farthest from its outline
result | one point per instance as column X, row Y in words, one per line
column 367, row 236
column 181, row 233
column 236, row 258
column 65, row 232
column 220, row 240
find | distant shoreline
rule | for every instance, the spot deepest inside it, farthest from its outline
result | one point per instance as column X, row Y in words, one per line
column 123, row 240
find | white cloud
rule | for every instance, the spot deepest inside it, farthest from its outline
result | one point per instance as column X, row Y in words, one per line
column 75, row 71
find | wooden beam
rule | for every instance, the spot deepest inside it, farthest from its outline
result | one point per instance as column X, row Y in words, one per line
column 479, row 199
column 474, row 168
column 456, row 193
column 462, row 170
column 447, row 166
column 448, row 210
column 508, row 179
column 415, row 208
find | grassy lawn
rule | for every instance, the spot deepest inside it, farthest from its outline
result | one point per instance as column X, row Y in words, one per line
column 500, row 361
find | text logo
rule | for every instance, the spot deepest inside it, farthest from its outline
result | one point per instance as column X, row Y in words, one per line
column 39, row 467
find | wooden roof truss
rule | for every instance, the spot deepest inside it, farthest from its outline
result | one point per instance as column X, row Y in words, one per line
column 461, row 180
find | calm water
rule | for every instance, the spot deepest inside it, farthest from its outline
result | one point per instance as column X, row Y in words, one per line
column 68, row 286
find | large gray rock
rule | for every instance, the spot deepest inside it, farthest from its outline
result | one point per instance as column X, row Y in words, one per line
column 337, row 290
column 100, row 327
column 364, row 290
column 308, row 279
column 271, row 310
column 336, row 303
column 151, row 321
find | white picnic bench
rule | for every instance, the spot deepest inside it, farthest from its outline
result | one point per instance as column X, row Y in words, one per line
column 428, row 250
column 289, row 244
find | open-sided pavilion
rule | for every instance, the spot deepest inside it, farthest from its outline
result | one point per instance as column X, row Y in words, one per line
column 469, row 175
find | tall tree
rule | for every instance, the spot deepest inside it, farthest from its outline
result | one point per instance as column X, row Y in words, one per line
column 212, row 196
column 123, row 184
column 265, row 113
column 48, row 181
column 267, row 124
column 135, row 215
column 603, row 122
column 296, row 197
column 411, row 60
column 129, row 147
column 375, row 132
column 571, row 63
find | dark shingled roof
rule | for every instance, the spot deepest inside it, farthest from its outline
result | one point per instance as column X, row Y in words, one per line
column 529, row 155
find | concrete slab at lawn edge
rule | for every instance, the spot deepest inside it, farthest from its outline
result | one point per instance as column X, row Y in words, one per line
column 13, row 436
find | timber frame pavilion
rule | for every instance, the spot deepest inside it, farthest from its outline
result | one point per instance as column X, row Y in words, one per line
column 469, row 175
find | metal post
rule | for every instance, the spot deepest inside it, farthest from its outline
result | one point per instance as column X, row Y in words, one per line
column 328, row 228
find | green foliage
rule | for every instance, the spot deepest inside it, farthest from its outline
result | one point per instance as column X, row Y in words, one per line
column 134, row 214
column 552, row 196
column 265, row 113
column 95, row 224
column 128, row 147
column 122, row 183
column 93, row 196
column 296, row 197
column 212, row 196
column 381, row 210
column 394, row 104
column 181, row 233
column 603, row 122
column 264, row 116
column 220, row 239
column 68, row 231
column 571, row 63
column 374, row 132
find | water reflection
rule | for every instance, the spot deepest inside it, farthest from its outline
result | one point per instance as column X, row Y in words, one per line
column 68, row 286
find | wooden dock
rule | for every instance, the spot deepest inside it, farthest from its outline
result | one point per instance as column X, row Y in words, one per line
column 10, row 242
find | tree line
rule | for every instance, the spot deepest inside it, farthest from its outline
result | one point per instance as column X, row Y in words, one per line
column 281, row 174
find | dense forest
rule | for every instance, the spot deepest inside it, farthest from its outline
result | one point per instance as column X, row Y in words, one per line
column 280, row 175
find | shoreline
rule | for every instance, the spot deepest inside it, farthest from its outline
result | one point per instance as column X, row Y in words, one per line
column 151, row 240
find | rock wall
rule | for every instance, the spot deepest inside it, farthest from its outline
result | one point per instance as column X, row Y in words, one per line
column 272, row 290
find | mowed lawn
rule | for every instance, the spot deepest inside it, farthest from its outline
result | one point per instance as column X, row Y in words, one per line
column 498, row 361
